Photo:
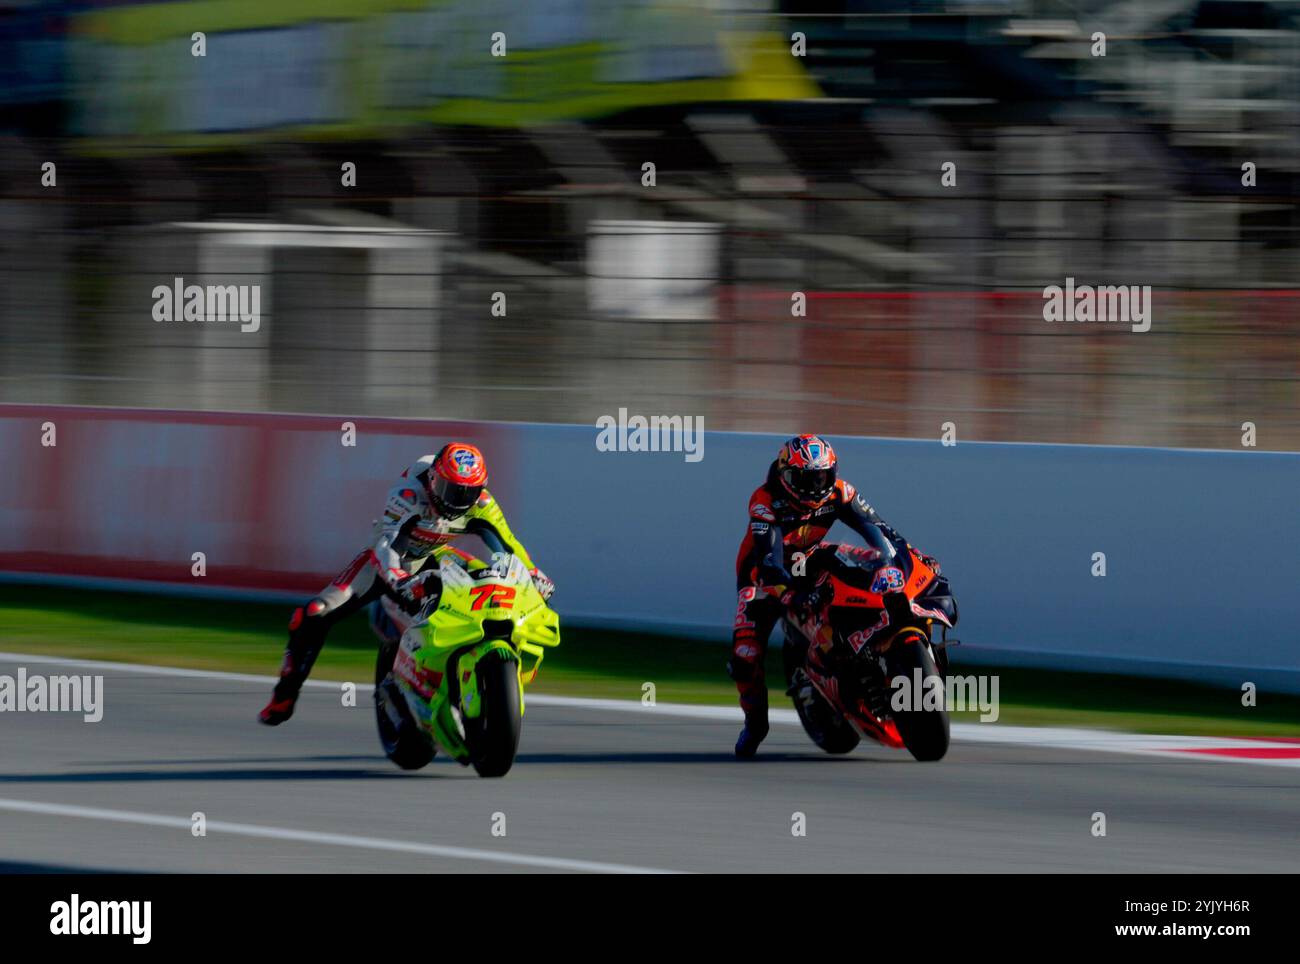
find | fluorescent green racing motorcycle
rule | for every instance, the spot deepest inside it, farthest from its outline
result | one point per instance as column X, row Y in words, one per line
column 455, row 677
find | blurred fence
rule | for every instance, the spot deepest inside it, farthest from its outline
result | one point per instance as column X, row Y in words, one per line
column 556, row 279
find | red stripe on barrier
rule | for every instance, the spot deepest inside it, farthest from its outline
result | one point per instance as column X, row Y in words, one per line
column 274, row 501
column 170, row 573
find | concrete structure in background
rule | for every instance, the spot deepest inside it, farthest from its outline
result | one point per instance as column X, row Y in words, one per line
column 653, row 270
column 1200, row 547
column 332, row 293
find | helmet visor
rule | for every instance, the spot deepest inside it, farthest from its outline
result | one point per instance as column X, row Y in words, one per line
column 451, row 498
column 810, row 484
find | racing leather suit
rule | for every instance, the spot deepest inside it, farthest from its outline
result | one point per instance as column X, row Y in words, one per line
column 778, row 528
column 406, row 537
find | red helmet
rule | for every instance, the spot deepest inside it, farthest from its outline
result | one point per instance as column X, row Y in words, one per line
column 806, row 468
column 456, row 479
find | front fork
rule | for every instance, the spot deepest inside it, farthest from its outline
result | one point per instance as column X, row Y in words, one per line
column 467, row 679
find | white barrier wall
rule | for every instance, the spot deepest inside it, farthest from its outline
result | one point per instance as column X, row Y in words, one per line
column 1202, row 549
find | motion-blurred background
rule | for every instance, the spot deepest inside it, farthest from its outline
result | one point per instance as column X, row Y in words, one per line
column 781, row 165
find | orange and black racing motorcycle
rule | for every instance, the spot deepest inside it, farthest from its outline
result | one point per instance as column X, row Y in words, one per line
column 861, row 658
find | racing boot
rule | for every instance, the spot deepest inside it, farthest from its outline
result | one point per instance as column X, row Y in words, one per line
column 746, row 668
column 752, row 735
column 305, row 639
column 277, row 711
column 285, row 695
column 754, row 702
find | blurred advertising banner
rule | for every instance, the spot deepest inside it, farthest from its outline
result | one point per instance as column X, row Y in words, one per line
column 217, row 72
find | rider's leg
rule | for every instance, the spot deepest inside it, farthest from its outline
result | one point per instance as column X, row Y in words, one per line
column 352, row 589
column 756, row 616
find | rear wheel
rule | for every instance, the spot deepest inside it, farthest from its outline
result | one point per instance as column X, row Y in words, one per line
column 824, row 726
column 925, row 732
column 400, row 735
column 493, row 736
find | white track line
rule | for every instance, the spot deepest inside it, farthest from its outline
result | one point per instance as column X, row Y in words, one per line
column 315, row 837
column 1094, row 741
column 147, row 669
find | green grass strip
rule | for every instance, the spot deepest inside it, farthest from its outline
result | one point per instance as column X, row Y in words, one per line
column 247, row 637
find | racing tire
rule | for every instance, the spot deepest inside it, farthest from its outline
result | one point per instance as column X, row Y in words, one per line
column 925, row 733
column 824, row 726
column 404, row 742
column 493, row 736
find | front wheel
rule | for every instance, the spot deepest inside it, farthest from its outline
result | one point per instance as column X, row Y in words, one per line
column 925, row 732
column 493, row 736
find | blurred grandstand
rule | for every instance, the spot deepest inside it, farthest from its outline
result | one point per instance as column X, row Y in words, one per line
column 774, row 174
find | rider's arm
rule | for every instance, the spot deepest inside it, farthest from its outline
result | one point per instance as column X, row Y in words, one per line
column 856, row 513
column 771, row 560
column 769, row 544
column 401, row 514
column 488, row 522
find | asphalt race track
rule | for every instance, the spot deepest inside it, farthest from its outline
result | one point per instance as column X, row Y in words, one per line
column 592, row 789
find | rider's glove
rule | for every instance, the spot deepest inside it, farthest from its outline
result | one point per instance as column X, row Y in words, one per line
column 543, row 584
column 417, row 591
column 930, row 561
column 804, row 602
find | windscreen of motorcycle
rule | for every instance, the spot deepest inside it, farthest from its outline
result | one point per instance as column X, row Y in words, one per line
column 865, row 558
